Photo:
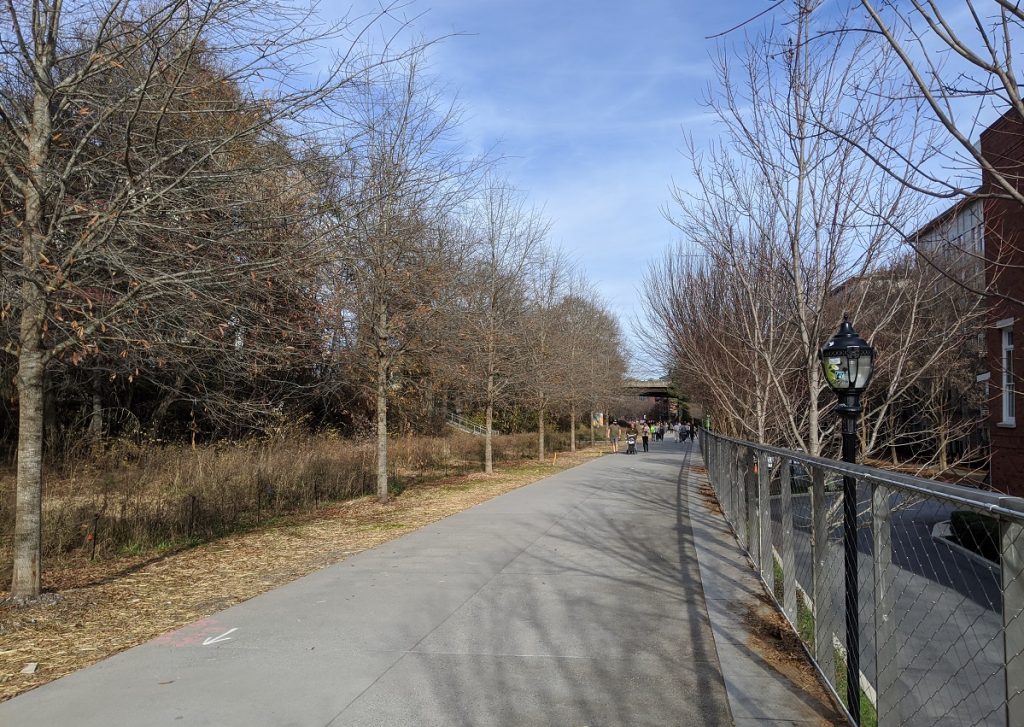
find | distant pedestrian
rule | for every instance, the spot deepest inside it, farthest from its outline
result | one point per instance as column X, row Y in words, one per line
column 645, row 435
column 615, row 436
column 693, row 431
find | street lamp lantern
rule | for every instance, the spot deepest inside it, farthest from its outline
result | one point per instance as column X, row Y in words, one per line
column 848, row 361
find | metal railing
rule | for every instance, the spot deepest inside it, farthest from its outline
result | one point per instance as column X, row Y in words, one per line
column 465, row 425
column 940, row 589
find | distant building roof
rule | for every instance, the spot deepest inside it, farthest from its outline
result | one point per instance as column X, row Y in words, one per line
column 946, row 215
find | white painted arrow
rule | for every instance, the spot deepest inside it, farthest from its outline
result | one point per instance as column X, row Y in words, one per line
column 209, row 640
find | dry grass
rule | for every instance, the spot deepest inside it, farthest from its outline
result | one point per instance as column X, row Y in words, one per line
column 107, row 606
column 140, row 499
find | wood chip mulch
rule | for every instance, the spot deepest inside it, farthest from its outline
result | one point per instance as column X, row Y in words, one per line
column 92, row 610
column 710, row 499
column 773, row 639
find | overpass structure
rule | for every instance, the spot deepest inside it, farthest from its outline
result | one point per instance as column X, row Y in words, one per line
column 660, row 392
column 657, row 388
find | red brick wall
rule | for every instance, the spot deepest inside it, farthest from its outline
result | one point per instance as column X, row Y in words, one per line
column 1002, row 145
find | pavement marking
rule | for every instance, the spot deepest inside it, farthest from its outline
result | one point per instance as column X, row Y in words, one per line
column 210, row 640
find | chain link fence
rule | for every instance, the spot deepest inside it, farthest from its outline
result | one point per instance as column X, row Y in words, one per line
column 940, row 588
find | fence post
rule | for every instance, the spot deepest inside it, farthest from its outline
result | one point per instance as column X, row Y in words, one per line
column 1012, row 566
column 764, row 502
column 729, row 468
column 753, row 521
column 729, row 463
column 886, row 668
column 788, row 548
column 742, row 504
column 710, row 462
column 824, row 651
column 727, row 483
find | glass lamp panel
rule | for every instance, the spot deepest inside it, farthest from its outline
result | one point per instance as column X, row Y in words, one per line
column 864, row 370
column 837, row 372
column 853, row 366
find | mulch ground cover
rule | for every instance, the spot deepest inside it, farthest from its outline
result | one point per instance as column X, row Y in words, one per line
column 91, row 610
column 770, row 636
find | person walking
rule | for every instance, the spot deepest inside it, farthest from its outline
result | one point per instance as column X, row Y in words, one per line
column 645, row 435
column 614, row 430
column 693, row 431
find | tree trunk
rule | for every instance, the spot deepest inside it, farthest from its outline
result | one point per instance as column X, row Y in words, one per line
column 51, row 433
column 488, row 453
column 572, row 428
column 943, row 442
column 540, row 434
column 813, row 414
column 382, row 429
column 156, row 422
column 96, row 420
column 26, row 578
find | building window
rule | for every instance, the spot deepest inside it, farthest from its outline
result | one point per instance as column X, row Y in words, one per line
column 1006, row 360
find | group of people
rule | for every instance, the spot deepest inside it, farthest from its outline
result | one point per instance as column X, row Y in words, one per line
column 643, row 431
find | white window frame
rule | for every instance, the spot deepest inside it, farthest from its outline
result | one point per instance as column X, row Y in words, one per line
column 1008, row 390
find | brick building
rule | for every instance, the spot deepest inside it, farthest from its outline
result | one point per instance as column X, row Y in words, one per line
column 1002, row 146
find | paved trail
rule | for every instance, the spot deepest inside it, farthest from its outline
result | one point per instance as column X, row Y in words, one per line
column 574, row 601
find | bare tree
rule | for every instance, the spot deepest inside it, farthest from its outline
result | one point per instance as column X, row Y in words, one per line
column 541, row 377
column 710, row 321
column 603, row 368
column 587, row 335
column 789, row 227
column 128, row 133
column 398, row 252
column 510, row 237
column 792, row 211
column 960, row 74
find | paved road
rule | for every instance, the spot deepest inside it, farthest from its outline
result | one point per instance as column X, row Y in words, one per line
column 574, row 601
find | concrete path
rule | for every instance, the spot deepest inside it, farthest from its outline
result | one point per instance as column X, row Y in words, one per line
column 574, row 601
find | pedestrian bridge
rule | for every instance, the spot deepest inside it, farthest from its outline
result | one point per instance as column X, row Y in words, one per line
column 648, row 387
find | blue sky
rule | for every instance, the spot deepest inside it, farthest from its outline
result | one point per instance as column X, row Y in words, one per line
column 587, row 102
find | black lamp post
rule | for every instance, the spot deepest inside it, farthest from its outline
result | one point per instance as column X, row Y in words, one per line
column 848, row 361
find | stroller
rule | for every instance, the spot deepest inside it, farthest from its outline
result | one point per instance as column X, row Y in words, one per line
column 630, row 444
